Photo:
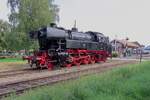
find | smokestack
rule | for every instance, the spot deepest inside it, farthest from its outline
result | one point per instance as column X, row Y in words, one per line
column 75, row 29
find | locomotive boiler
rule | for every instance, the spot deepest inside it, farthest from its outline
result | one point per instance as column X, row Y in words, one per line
column 66, row 48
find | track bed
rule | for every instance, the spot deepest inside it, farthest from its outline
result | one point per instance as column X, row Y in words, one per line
column 20, row 82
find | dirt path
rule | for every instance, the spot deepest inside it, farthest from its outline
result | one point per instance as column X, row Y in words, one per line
column 6, row 66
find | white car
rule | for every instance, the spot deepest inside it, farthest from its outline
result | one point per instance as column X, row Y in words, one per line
column 146, row 50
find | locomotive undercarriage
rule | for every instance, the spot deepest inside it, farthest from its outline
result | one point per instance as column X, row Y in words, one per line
column 73, row 57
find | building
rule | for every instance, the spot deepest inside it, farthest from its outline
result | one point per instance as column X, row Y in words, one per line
column 125, row 48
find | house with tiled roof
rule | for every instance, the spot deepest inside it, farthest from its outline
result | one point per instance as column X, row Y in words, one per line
column 125, row 47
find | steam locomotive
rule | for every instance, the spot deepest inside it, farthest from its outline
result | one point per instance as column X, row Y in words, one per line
column 66, row 48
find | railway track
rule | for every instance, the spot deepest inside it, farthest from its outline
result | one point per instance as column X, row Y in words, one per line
column 19, row 87
column 12, row 73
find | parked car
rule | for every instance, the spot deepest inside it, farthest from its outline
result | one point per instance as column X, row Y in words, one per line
column 146, row 50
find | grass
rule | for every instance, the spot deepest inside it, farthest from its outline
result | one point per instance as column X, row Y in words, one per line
column 127, row 83
column 11, row 60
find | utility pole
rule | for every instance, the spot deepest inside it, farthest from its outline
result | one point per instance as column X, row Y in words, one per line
column 141, row 55
column 115, row 43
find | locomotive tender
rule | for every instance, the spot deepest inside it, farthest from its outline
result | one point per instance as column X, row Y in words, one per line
column 61, row 47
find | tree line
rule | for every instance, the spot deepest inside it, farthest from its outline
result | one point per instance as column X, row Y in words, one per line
column 26, row 16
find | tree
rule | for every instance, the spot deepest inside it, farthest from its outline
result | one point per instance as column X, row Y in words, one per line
column 4, row 29
column 28, row 15
column 8, row 39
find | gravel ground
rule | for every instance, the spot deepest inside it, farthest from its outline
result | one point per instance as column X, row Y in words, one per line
column 43, row 73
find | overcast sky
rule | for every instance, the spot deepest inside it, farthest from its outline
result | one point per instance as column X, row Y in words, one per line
column 121, row 18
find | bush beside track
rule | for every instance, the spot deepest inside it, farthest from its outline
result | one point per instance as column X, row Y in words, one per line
column 127, row 83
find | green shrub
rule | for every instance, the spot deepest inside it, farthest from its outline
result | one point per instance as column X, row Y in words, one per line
column 2, row 57
column 11, row 59
column 114, row 54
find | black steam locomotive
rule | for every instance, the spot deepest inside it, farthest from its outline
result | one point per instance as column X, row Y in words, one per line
column 61, row 47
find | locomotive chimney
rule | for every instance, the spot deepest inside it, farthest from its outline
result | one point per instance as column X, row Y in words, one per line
column 75, row 29
column 75, row 24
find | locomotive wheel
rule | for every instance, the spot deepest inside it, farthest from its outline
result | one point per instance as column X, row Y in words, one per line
column 77, row 63
column 31, row 65
column 93, row 60
column 68, row 65
column 86, row 61
column 104, row 58
column 49, row 66
column 38, row 66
